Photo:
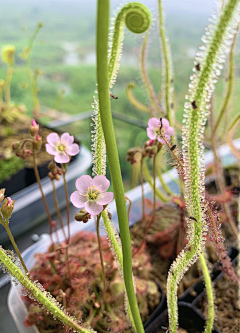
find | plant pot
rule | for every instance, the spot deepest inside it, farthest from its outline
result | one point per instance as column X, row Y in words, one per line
column 136, row 210
column 17, row 306
column 190, row 319
column 29, row 210
column 223, row 301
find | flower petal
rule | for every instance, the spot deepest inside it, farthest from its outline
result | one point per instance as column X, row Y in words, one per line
column 78, row 200
column 93, row 208
column 101, row 183
column 104, row 198
column 73, row 149
column 165, row 123
column 153, row 122
column 61, row 157
column 83, row 182
column 151, row 133
column 66, row 137
column 169, row 131
column 50, row 149
column 53, row 138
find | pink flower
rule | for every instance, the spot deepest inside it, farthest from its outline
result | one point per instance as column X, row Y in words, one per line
column 34, row 124
column 61, row 148
column 91, row 194
column 153, row 130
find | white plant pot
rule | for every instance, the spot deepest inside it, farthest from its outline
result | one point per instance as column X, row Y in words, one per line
column 16, row 305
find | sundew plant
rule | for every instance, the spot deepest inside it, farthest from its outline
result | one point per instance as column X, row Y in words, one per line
column 186, row 155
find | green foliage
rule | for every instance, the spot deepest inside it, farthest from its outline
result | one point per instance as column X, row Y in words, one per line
column 9, row 167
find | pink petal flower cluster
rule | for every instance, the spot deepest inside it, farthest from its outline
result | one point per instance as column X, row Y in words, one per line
column 61, row 148
column 153, row 129
column 91, row 194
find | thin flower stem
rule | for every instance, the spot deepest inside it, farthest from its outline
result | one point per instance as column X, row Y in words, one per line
column 220, row 177
column 7, row 93
column 209, row 289
column 129, row 207
column 6, row 226
column 64, row 169
column 135, row 102
column 159, row 173
column 43, row 297
column 90, row 318
column 161, row 196
column 41, row 190
column 154, row 206
column 146, row 79
column 58, row 210
column 142, row 188
column 112, row 152
column 229, row 88
column 101, row 257
column 166, row 63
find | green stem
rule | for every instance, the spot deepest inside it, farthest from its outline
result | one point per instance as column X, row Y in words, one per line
column 199, row 91
column 6, row 226
column 146, row 79
column 112, row 234
column 142, row 188
column 138, row 105
column 112, row 153
column 209, row 289
column 101, row 257
column 43, row 297
column 154, row 206
column 58, row 210
column 32, row 79
column 229, row 88
column 7, row 93
column 159, row 173
column 167, row 65
column 41, row 190
column 148, row 178
column 64, row 170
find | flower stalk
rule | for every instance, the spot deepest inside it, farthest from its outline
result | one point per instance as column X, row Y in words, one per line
column 111, row 147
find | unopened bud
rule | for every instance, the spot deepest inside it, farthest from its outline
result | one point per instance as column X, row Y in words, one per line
column 151, row 151
column 16, row 145
column 7, row 207
column 82, row 216
column 37, row 142
column 34, row 128
column 50, row 175
column 51, row 165
column 2, row 192
column 27, row 152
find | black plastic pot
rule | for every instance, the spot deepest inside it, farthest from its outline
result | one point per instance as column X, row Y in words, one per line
column 190, row 318
column 198, row 288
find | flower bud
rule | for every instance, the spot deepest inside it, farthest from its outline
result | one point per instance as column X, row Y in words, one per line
column 2, row 192
column 8, row 52
column 37, row 142
column 50, row 175
column 7, row 207
column 15, row 145
column 82, row 216
column 27, row 153
column 51, row 165
column 151, row 151
column 34, row 128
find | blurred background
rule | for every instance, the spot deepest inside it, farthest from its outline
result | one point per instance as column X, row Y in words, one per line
column 64, row 51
